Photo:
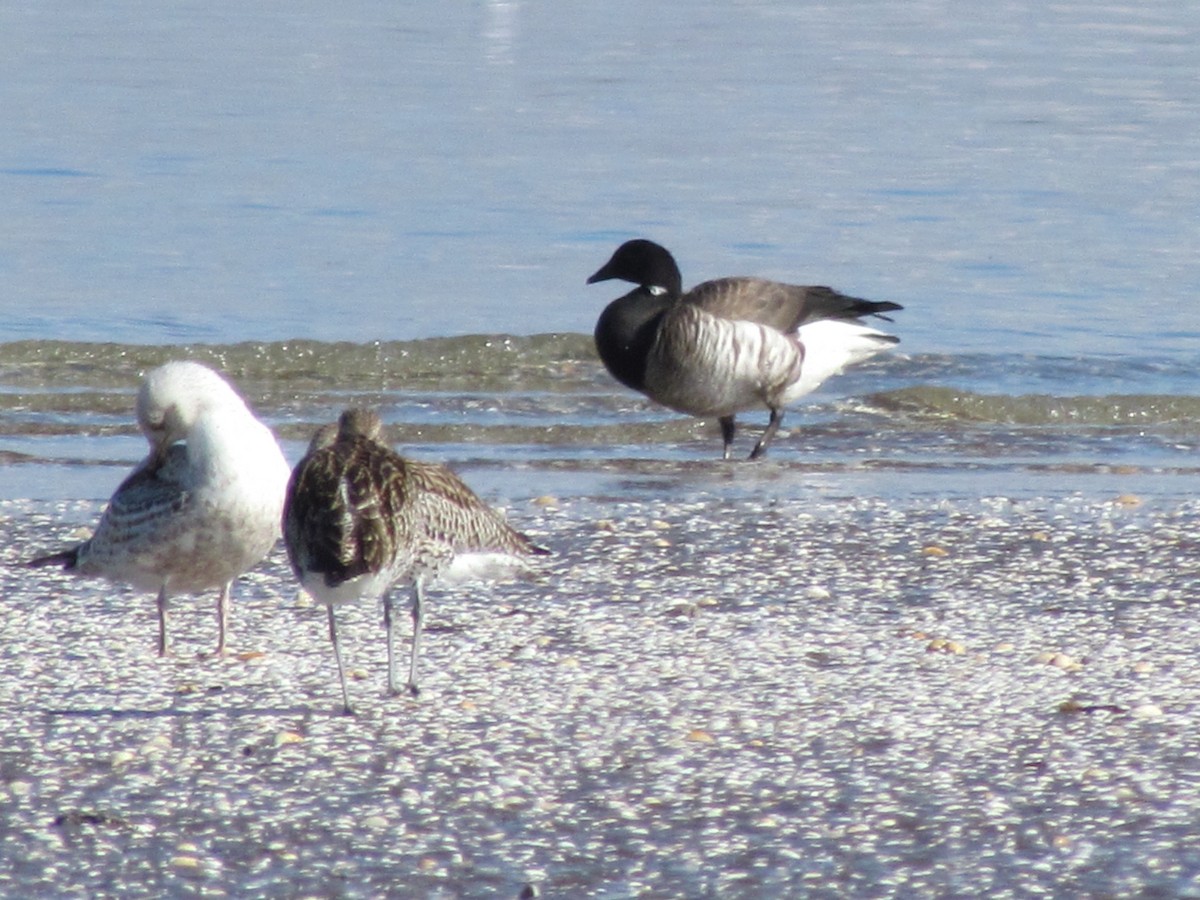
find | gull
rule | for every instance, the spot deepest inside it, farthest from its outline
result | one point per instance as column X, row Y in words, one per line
column 730, row 344
column 360, row 518
column 201, row 509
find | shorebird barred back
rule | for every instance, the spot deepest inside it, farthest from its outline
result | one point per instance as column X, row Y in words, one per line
column 204, row 505
column 727, row 345
column 360, row 518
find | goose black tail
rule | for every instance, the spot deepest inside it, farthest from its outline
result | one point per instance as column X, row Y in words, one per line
column 826, row 303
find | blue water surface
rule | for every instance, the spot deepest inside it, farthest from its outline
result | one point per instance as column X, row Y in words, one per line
column 1023, row 178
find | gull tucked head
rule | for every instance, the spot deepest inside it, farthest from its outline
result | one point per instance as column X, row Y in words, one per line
column 173, row 396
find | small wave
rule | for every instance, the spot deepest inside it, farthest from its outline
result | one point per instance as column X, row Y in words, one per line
column 928, row 402
column 432, row 362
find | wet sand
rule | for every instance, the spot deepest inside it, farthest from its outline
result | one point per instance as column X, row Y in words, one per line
column 714, row 697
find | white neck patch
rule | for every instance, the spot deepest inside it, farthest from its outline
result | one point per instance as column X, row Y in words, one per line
column 656, row 290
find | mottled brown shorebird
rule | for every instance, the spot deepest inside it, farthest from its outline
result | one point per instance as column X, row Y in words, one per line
column 360, row 518
column 201, row 509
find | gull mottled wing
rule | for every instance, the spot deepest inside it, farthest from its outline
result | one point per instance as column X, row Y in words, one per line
column 145, row 515
column 155, row 487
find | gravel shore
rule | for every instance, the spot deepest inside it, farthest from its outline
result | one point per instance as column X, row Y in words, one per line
column 715, row 697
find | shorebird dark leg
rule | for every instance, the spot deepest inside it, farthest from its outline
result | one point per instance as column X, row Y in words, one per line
column 760, row 449
column 389, row 623
column 728, row 427
column 418, row 617
column 223, row 617
column 337, row 655
column 162, row 621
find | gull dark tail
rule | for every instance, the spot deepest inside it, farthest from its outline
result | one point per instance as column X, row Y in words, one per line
column 66, row 559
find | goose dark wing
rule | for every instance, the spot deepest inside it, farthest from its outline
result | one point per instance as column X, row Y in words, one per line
column 778, row 305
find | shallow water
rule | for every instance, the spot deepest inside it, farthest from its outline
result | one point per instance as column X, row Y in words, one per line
column 525, row 416
column 1021, row 177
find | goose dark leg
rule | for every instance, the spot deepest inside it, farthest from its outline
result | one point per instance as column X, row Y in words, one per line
column 760, row 449
column 728, row 427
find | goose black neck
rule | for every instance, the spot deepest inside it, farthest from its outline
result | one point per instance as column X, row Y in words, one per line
column 625, row 333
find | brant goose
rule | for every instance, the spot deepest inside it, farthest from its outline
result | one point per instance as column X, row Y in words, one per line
column 360, row 517
column 730, row 344
column 193, row 515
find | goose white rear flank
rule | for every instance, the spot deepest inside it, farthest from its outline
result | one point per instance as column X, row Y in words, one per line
column 201, row 509
column 730, row 344
column 360, row 517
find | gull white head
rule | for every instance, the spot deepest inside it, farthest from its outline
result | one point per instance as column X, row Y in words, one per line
column 172, row 398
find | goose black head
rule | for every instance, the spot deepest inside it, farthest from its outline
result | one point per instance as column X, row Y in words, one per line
column 643, row 263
